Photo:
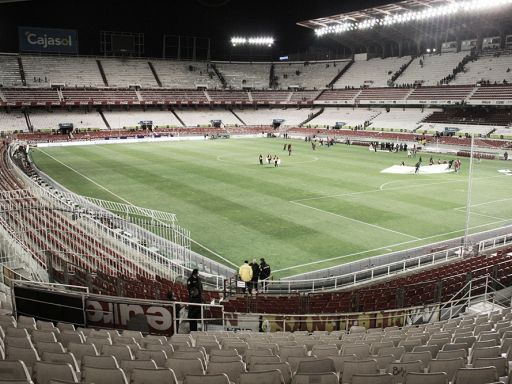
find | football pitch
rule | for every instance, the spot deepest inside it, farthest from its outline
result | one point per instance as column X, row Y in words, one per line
column 317, row 209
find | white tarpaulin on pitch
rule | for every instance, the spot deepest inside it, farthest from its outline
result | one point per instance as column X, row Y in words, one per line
column 424, row 169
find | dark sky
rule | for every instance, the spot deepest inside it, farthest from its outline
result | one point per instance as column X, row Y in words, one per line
column 216, row 19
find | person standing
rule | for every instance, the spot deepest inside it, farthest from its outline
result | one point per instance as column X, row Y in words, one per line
column 195, row 295
column 261, row 159
column 255, row 275
column 245, row 273
column 418, row 164
column 264, row 274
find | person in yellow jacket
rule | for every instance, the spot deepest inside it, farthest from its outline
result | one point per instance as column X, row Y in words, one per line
column 245, row 273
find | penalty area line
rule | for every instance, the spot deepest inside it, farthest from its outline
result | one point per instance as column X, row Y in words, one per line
column 355, row 220
column 381, row 248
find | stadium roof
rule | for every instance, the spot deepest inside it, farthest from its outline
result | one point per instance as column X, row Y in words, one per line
column 416, row 20
column 407, row 11
column 371, row 13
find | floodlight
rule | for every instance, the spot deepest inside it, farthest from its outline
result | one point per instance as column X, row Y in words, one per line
column 257, row 40
column 428, row 50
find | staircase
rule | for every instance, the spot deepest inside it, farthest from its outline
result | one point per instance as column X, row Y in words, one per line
column 219, row 75
column 460, row 67
column 398, row 73
column 2, row 96
column 271, row 81
column 319, row 94
column 312, row 117
column 289, row 97
column 102, row 72
column 207, row 96
column 238, row 117
column 177, row 117
column 139, row 96
column 27, row 120
column 249, row 95
column 61, row 96
column 340, row 73
column 153, row 71
column 22, row 72
column 473, row 91
column 104, row 119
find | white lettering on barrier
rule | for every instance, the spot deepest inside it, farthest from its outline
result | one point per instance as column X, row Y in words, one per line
column 126, row 312
column 159, row 318
column 102, row 313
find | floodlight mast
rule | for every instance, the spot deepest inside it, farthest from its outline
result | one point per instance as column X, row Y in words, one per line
column 468, row 197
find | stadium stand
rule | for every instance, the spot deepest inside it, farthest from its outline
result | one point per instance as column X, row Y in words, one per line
column 267, row 97
column 436, row 95
column 99, row 96
column 490, row 67
column 383, row 95
column 371, row 73
column 126, row 72
column 193, row 118
column 25, row 96
column 186, row 74
column 489, row 94
column 167, row 96
column 406, row 119
column 307, row 75
column 353, row 356
column 430, row 69
column 9, row 71
column 12, row 121
column 42, row 120
column 42, row 71
column 265, row 116
column 245, row 75
column 349, row 117
column 339, row 96
column 131, row 119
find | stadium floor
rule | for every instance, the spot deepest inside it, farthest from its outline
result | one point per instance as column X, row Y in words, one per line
column 317, row 209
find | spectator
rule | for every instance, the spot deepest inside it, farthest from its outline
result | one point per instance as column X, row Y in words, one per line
column 195, row 295
column 255, row 276
column 245, row 273
column 264, row 273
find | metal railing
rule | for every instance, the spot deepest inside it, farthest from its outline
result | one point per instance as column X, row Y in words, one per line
column 494, row 294
column 370, row 274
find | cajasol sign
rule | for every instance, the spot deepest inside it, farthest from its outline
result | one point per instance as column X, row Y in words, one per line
column 50, row 40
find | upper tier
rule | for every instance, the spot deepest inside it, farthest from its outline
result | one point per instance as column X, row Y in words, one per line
column 428, row 70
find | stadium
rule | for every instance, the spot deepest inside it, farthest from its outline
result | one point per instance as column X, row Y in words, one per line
column 356, row 155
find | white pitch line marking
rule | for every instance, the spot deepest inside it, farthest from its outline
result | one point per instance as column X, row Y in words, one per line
column 486, row 203
column 355, row 220
column 481, row 214
column 121, row 198
column 389, row 182
column 86, row 177
column 381, row 248
column 388, row 189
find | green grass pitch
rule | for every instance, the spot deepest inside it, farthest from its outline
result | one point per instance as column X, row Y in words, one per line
column 318, row 209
